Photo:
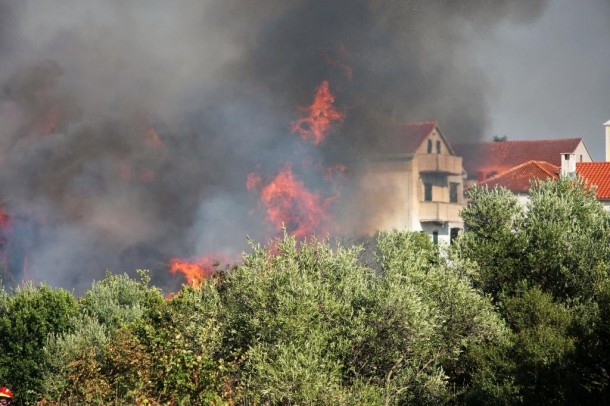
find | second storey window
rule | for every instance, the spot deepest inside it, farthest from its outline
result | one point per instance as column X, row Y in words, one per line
column 438, row 147
column 453, row 192
column 428, row 192
column 429, row 146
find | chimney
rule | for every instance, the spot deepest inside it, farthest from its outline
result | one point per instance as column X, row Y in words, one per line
column 607, row 125
column 568, row 164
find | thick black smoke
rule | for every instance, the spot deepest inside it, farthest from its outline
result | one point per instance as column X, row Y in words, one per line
column 128, row 129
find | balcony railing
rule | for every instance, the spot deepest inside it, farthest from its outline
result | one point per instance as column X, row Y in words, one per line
column 440, row 211
column 448, row 164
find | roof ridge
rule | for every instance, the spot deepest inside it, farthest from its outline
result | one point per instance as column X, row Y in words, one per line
column 594, row 163
column 537, row 163
column 422, row 122
column 514, row 168
column 544, row 140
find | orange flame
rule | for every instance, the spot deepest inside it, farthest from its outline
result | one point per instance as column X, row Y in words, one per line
column 290, row 204
column 195, row 271
column 321, row 116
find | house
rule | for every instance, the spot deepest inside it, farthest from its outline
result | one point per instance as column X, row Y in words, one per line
column 552, row 158
column 518, row 178
column 486, row 160
column 415, row 182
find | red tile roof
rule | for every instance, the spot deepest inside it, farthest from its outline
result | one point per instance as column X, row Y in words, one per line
column 517, row 179
column 597, row 173
column 490, row 158
column 406, row 138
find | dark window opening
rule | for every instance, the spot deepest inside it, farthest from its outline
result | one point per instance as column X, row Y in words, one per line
column 438, row 147
column 566, row 157
column 453, row 192
column 429, row 146
column 454, row 232
column 435, row 237
column 427, row 192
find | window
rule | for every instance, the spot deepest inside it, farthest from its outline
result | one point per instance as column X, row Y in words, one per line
column 428, row 192
column 429, row 146
column 435, row 237
column 453, row 192
column 438, row 147
column 454, row 232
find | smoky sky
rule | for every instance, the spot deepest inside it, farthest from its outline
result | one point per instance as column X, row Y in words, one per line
column 553, row 75
column 128, row 129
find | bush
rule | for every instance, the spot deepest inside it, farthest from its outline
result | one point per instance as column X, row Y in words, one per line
column 26, row 320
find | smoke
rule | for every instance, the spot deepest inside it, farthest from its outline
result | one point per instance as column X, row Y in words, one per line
column 128, row 129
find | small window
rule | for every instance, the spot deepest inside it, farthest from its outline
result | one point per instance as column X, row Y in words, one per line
column 453, row 192
column 428, row 192
column 435, row 237
column 581, row 158
column 438, row 147
column 566, row 157
column 429, row 146
column 453, row 235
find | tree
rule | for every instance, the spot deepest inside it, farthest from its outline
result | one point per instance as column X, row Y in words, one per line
column 26, row 319
column 547, row 266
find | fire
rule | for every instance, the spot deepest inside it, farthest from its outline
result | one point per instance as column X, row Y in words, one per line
column 321, row 115
column 195, row 271
column 290, row 204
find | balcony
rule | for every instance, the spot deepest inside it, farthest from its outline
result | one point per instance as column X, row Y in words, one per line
column 440, row 212
column 447, row 164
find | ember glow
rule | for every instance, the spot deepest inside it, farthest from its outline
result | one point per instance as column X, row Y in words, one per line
column 195, row 271
column 321, row 115
column 290, row 204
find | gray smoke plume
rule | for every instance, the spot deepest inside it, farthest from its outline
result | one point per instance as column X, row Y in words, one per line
column 128, row 129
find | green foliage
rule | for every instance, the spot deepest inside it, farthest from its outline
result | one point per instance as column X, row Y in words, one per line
column 132, row 345
column 309, row 324
column 26, row 319
column 568, row 235
column 547, row 267
column 494, row 239
column 118, row 299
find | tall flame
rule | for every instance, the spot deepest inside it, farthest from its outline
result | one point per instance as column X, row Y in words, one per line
column 321, row 116
column 290, row 204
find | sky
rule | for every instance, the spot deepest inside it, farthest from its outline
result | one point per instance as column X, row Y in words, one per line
column 552, row 76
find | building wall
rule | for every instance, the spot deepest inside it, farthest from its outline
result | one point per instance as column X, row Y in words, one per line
column 388, row 195
column 581, row 151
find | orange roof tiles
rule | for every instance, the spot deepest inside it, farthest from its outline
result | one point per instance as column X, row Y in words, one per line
column 487, row 159
column 597, row 173
column 517, row 179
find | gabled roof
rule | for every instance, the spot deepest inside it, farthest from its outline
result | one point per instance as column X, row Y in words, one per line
column 490, row 158
column 517, row 179
column 597, row 173
column 406, row 138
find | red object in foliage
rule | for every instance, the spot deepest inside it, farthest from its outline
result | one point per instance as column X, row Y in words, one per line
column 6, row 393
